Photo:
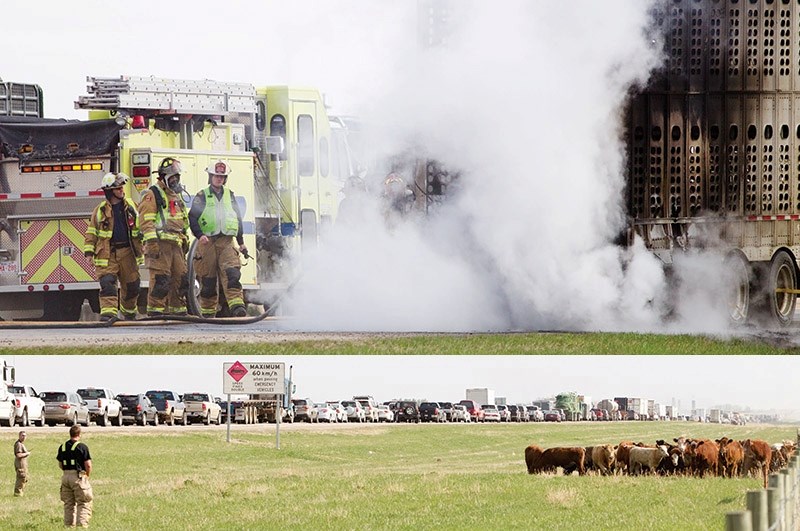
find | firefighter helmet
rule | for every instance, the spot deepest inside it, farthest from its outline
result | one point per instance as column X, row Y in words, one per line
column 394, row 185
column 168, row 168
column 113, row 180
column 220, row 167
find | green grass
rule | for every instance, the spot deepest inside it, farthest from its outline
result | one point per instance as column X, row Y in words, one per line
column 372, row 477
column 515, row 343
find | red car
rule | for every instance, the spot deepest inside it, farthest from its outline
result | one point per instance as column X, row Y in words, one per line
column 474, row 409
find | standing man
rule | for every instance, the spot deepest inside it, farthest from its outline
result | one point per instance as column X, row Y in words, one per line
column 114, row 240
column 215, row 220
column 76, row 492
column 21, row 463
column 164, row 225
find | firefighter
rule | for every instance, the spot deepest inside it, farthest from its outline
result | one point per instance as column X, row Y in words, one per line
column 397, row 197
column 114, row 241
column 215, row 220
column 164, row 228
column 75, row 461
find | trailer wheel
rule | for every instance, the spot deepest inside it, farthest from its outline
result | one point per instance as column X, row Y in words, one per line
column 782, row 276
column 737, row 271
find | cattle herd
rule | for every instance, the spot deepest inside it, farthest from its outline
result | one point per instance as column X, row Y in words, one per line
column 692, row 457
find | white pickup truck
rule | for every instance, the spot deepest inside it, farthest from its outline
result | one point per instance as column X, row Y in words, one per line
column 8, row 408
column 29, row 407
column 203, row 407
column 103, row 406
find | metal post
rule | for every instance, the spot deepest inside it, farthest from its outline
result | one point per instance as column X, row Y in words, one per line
column 228, row 407
column 757, row 505
column 738, row 521
column 278, row 416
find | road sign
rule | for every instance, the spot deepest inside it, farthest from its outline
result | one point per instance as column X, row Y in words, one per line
column 253, row 378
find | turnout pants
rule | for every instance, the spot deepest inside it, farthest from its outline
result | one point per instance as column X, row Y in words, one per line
column 169, row 281
column 121, row 267
column 214, row 261
column 76, row 493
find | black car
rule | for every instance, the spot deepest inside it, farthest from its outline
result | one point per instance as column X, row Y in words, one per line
column 407, row 411
column 431, row 412
column 138, row 409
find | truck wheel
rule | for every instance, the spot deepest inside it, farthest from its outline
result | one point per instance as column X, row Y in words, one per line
column 738, row 275
column 143, row 420
column 184, row 420
column 219, row 418
column 103, row 419
column 155, row 419
column 207, row 420
column 782, row 277
column 118, row 420
column 40, row 423
column 170, row 419
column 24, row 423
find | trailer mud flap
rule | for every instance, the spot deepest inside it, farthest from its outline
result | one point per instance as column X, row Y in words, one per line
column 51, row 252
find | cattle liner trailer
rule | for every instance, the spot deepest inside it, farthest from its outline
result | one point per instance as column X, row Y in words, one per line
column 713, row 145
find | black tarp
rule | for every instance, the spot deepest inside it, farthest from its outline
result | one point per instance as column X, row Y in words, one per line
column 43, row 139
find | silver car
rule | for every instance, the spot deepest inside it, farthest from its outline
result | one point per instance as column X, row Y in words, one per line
column 64, row 407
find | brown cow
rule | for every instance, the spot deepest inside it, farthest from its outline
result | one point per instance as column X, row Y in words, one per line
column 569, row 458
column 757, row 454
column 782, row 452
column 704, row 457
column 623, row 454
column 603, row 458
column 731, row 455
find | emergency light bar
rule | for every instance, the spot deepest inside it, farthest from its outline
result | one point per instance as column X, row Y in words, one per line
column 62, row 167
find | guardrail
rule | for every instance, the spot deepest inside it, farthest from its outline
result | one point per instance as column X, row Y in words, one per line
column 776, row 508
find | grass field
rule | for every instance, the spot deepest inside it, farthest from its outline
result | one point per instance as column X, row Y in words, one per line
column 370, row 477
column 513, row 343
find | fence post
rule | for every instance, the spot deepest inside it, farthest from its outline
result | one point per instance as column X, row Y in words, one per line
column 773, row 506
column 775, row 502
column 738, row 521
column 788, row 505
column 757, row 505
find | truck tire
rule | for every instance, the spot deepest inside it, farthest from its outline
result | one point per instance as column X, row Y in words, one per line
column 143, row 420
column 40, row 423
column 102, row 420
column 24, row 422
column 155, row 419
column 782, row 276
column 219, row 418
column 183, row 419
column 739, row 276
column 170, row 418
column 117, row 421
column 207, row 420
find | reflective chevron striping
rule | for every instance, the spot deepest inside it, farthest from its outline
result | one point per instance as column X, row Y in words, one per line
column 52, row 252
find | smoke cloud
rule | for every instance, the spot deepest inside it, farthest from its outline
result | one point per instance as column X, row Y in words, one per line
column 525, row 100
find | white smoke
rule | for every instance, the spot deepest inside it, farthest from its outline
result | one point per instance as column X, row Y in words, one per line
column 525, row 99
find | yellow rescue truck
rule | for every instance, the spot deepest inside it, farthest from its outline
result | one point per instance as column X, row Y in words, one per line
column 287, row 167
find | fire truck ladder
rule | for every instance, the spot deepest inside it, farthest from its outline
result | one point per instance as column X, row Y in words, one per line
column 168, row 96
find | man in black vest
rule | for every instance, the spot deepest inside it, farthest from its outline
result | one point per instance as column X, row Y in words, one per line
column 76, row 492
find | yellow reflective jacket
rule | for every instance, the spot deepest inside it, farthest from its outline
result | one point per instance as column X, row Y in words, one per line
column 100, row 229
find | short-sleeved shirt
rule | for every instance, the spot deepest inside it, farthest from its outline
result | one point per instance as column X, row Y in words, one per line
column 73, row 458
column 19, row 448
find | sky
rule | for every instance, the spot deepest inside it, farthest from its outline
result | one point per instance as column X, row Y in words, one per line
column 754, row 382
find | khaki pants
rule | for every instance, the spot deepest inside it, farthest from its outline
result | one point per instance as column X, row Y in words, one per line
column 76, row 493
column 169, row 282
column 214, row 261
column 122, row 266
column 22, row 479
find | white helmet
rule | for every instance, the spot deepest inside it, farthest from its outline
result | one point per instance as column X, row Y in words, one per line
column 113, row 180
column 220, row 167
